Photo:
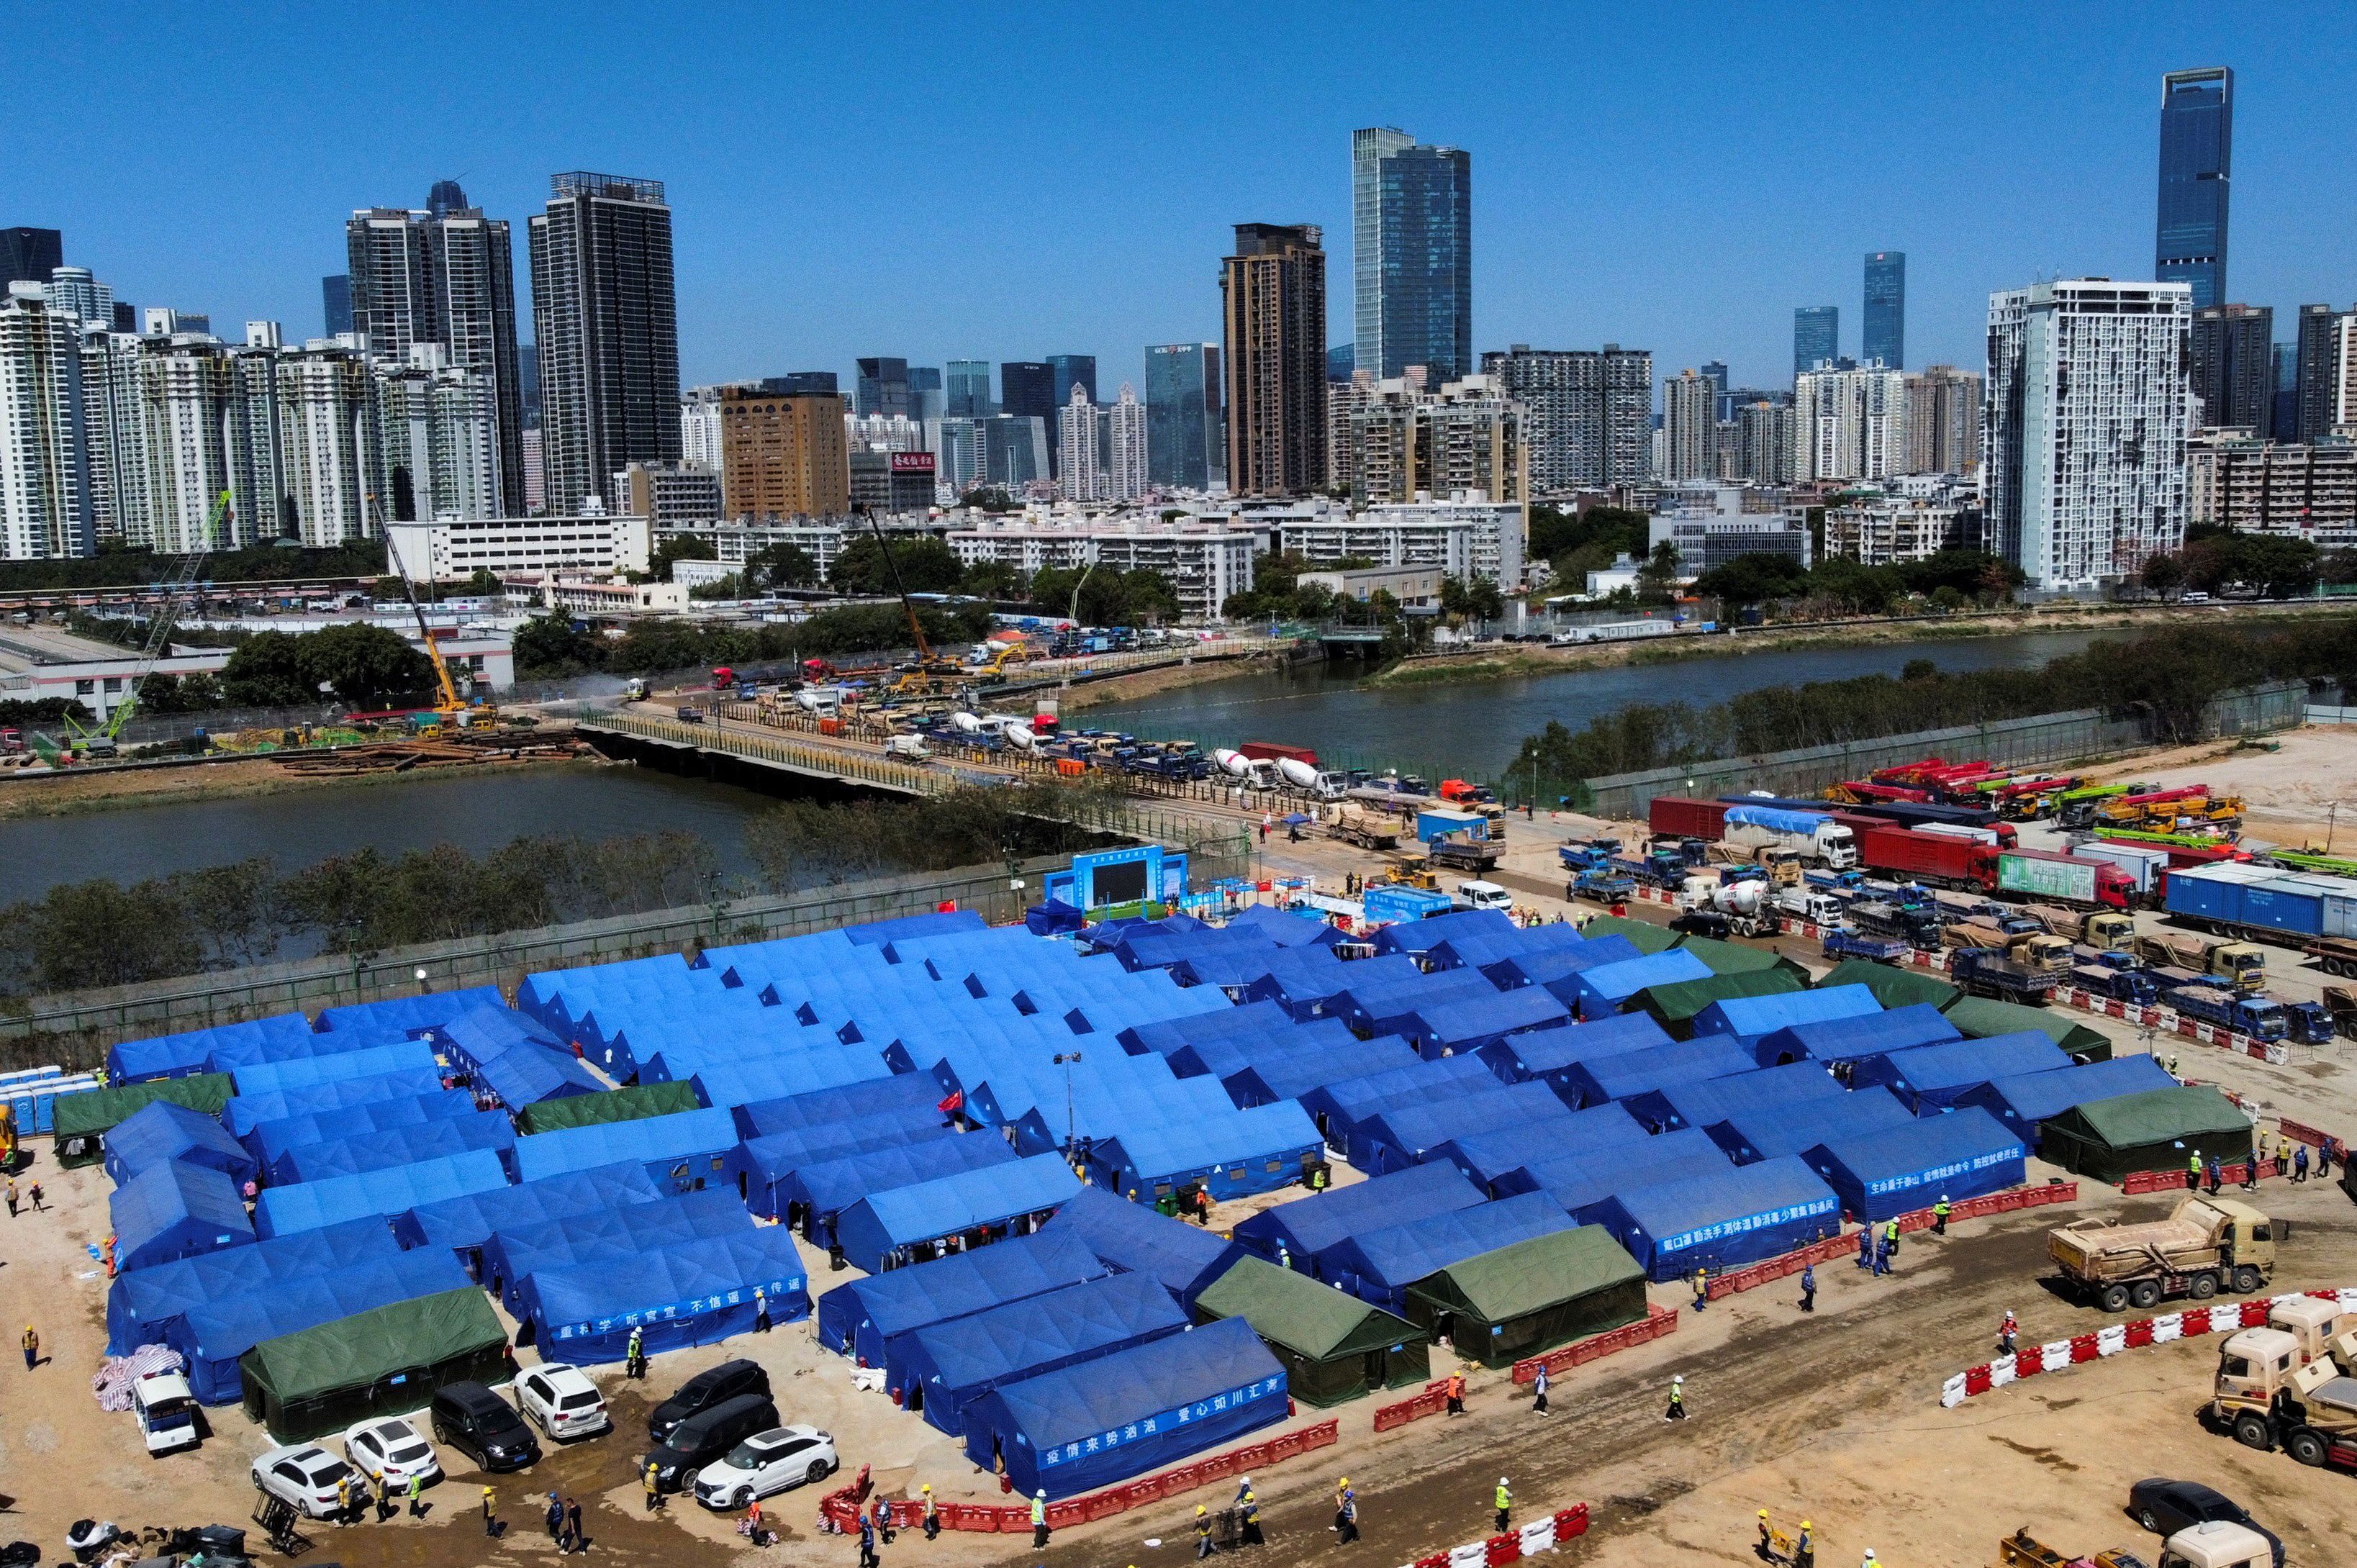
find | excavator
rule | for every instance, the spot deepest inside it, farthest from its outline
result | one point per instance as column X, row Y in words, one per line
column 934, row 675
column 179, row 592
column 451, row 711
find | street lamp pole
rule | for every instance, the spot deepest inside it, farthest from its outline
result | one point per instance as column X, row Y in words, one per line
column 1066, row 1059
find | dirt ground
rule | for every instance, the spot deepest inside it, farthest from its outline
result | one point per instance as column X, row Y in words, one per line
column 2289, row 794
column 39, row 794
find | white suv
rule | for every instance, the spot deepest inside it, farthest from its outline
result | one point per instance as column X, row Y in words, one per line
column 388, row 1450
column 766, row 1464
column 305, row 1476
column 562, row 1401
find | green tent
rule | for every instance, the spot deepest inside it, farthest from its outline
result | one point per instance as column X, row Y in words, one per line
column 1981, row 1016
column 611, row 1105
column 1643, row 935
column 1499, row 1307
column 1675, row 1006
column 84, row 1120
column 2159, row 1130
column 1734, row 958
column 380, row 1362
column 1892, row 986
column 1334, row 1346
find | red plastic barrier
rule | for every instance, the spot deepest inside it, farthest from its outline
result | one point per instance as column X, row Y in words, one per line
column 2254, row 1314
column 2083, row 1348
column 2140, row 1331
column 1185, row 1478
column 1325, row 1434
column 2029, row 1361
column 1658, row 1321
column 1978, row 1381
column 1437, row 1560
column 1014, row 1521
column 1284, row 1447
column 1102, row 1505
column 1500, row 1549
column 2196, row 1320
column 1215, row 1467
column 1571, row 1522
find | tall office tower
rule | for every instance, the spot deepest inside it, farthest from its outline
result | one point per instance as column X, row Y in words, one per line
column 699, row 427
column 2284, row 413
column 925, row 398
column 1411, row 257
column 438, row 428
column 1763, row 441
column 783, row 454
column 2088, row 413
column 30, row 255
column 46, row 503
column 882, row 387
column 1026, row 388
column 956, row 446
column 1273, row 295
column 1126, row 476
column 332, row 456
column 967, row 390
column 1185, row 432
column 802, row 383
column 1817, row 337
column 1943, row 422
column 1716, row 374
column 1014, row 449
column 1849, row 424
column 2233, row 367
column 607, row 320
column 80, row 296
column 1588, row 415
column 1885, row 334
column 445, row 275
column 1341, row 362
column 2197, row 162
column 1071, row 370
column 1077, row 473
column 2317, row 353
column 336, row 304
column 1689, row 427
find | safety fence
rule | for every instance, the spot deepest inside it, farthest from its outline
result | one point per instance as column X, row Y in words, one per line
column 2030, row 1360
column 1513, row 1545
column 839, row 1510
column 1658, row 1322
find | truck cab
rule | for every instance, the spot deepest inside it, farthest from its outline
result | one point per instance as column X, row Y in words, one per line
column 2267, row 1393
column 166, row 1410
column 2311, row 1321
column 2109, row 929
column 2218, row 1544
column 2243, row 963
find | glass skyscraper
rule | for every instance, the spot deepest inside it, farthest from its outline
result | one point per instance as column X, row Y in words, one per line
column 968, row 389
column 1412, row 257
column 1885, row 338
column 2197, row 157
column 1817, row 335
column 1071, row 370
column 1185, row 425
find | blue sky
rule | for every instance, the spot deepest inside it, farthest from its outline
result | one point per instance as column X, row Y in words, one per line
column 1010, row 181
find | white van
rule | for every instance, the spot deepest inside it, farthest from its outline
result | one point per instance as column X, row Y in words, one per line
column 1483, row 895
column 166, row 1410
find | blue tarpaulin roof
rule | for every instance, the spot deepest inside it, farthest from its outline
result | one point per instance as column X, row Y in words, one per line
column 399, row 1016
column 1422, row 936
column 2024, row 1100
column 302, row 1072
column 1958, row 1155
column 831, row 1187
column 247, row 1112
column 1487, row 1154
column 177, row 1055
column 1624, row 1073
column 932, row 923
column 1864, row 1035
column 1482, row 950
column 142, row 1305
column 1378, row 1265
column 268, row 1140
column 1305, row 981
column 954, row 1364
column 1389, row 1009
column 1283, row 927
column 161, row 1131
column 1713, row 1100
column 1290, row 1075
column 1307, row 1226
column 881, row 1225
column 1769, row 1131
column 308, row 1205
column 1750, row 1016
column 1601, row 990
column 767, row 1167
column 1230, row 1052
column 1404, row 1135
column 615, row 1235
column 1164, row 1035
column 1554, row 966
column 1475, row 1020
column 1930, row 1077
column 1549, row 1054
column 826, row 1106
column 701, row 1137
column 750, row 1080
column 391, row 1146
column 214, row 1334
column 677, row 1293
column 478, row 1034
column 1043, row 1425
column 1725, row 1219
column 175, row 1210
column 858, row 1317
column 1577, row 1182
column 1234, row 1154
column 1136, row 1239
column 1346, row 1105
column 469, row 1221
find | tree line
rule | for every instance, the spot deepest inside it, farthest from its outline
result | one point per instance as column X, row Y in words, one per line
column 1108, row 595
column 556, row 647
column 116, row 567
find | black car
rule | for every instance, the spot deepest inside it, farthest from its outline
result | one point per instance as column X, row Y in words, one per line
column 1702, row 923
column 706, row 1389
column 707, row 1436
column 2165, row 1507
column 478, row 1424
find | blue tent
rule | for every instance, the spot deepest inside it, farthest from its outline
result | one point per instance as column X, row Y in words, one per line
column 1485, row 1157
column 1287, row 929
column 908, row 928
column 1395, row 1009
column 682, row 1149
column 1748, row 1017
column 177, row 1055
column 1578, row 1183
column 1406, row 1134
column 677, row 1294
column 613, row 1235
column 390, row 1192
column 268, row 1140
column 302, row 1072
column 1725, row 1219
column 1297, row 1231
column 1232, row 1156
column 479, row 1034
column 246, row 1111
column 463, row 1223
column 945, row 1367
column 175, row 1210
column 1770, row 1132
column 1930, row 1077
column 828, row 1187
column 1962, row 1154
column 399, row 1017
column 143, row 1305
column 1480, row 1019
column 1135, row 1238
column 764, row 1168
column 825, row 1107
column 1338, row 1107
column 750, row 1080
column 1378, row 1265
column 1553, row 967
column 883, row 1229
column 1229, row 967
column 1626, row 1073
column 1864, row 1035
column 213, row 1335
column 161, row 1131
column 1163, row 1036
column 857, row 1318
column 395, row 1146
column 1305, row 981
column 1484, row 950
column 1423, row 936
column 1219, row 1055
column 1549, row 1055
column 1713, row 1100
column 2025, row 1099
column 1180, row 1395
column 1602, row 991
column 1294, row 1074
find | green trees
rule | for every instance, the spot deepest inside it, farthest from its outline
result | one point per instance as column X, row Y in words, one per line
column 1108, row 597
column 779, row 566
column 365, row 666
column 549, row 647
column 926, row 564
column 678, row 547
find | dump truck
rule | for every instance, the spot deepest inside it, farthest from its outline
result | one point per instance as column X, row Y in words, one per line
column 2105, row 929
column 1367, row 829
column 2254, row 1015
column 2129, row 986
column 2207, row 1245
column 2023, row 1550
column 2269, row 1393
column 1463, row 853
column 1987, row 971
column 2241, row 966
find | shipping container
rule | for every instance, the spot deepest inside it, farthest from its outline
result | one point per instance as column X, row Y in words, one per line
column 2143, row 863
column 1678, row 817
column 1928, row 857
column 2042, row 874
column 2264, row 900
column 1432, row 826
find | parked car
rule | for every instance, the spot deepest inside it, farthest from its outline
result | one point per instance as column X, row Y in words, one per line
column 388, row 1450
column 1702, row 923
column 706, row 1437
column 766, row 1464
column 703, row 1391
column 2165, row 1507
column 166, row 1410
column 304, row 1477
column 478, row 1424
column 562, row 1401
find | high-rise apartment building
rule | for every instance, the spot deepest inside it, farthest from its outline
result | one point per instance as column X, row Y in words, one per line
column 1412, row 257
column 699, row 427
column 1764, row 444
column 1273, row 293
column 331, row 458
column 2232, row 362
column 1849, row 424
column 606, row 320
column 783, row 456
column 80, row 295
column 1125, row 442
column 1943, row 422
column 1589, row 414
column 882, row 387
column 30, row 255
column 1689, row 428
column 2318, row 353
column 1185, row 429
column 1078, row 438
column 336, row 303
column 1817, row 337
column 1884, row 341
column 2197, row 161
column 2088, row 413
column 439, row 427
column 2286, row 411
column 47, row 506
column 966, row 389
column 1468, row 440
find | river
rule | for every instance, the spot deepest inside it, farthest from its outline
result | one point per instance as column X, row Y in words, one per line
column 1473, row 727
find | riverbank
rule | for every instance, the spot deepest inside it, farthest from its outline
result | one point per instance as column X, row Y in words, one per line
column 27, row 795
column 1170, row 678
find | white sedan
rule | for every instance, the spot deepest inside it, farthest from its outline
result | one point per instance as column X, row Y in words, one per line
column 305, row 1476
column 562, row 1401
column 389, row 1451
column 766, row 1464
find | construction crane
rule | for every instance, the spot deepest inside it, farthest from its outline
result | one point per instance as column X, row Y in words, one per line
column 179, row 591
column 449, row 705
column 934, row 675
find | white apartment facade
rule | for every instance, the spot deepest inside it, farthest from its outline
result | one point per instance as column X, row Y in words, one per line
column 1126, row 476
column 1889, row 531
column 1849, row 424
column 1204, row 560
column 451, row 549
column 46, row 504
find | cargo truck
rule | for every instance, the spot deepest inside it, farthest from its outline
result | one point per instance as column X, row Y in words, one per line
column 2310, row 1023
column 2254, row 1015
column 2316, row 915
column 1918, row 928
column 1675, row 816
column 1929, row 858
column 2074, row 879
column 2240, row 964
column 1840, row 943
column 2207, row 1245
column 1984, row 971
column 2268, row 1393
column 1814, row 837
column 2132, row 986
column 1367, row 829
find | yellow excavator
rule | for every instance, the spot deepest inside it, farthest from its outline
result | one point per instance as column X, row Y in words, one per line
column 451, row 711
column 934, row 675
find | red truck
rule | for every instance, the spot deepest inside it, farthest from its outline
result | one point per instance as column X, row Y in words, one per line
column 1936, row 860
column 1675, row 816
column 1270, row 751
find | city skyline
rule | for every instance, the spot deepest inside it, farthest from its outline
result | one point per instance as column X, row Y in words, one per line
column 1698, row 270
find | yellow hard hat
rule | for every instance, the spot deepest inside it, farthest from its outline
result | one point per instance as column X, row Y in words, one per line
column 1808, row 1524
column 927, row 1489
column 1346, row 1480
column 487, row 1491
column 1764, row 1513
column 1199, row 1507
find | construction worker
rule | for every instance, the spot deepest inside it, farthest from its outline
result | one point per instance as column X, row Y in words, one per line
column 1244, row 1491
column 556, row 1516
column 1249, row 1512
column 490, row 1512
column 761, row 1311
column 653, row 1487
column 1871, row 1560
column 932, row 1516
column 1539, row 1391
column 1866, row 1248
column 867, row 1558
column 345, row 1512
column 1456, row 1393
column 33, row 1193
column 1804, row 1549
column 1767, row 1548
column 32, row 1343
column 1808, row 1287
column 416, row 1485
column 109, row 1248
column 1940, row 1215
column 1284, row 1256
column 1701, row 1288
column 2324, row 1160
column 1203, row 1547
column 1346, row 1512
column 2251, row 1166
column 1881, row 1265
column 2006, row 1332
column 634, row 1358
column 2217, row 1175
column 2299, row 1165
column 1505, row 1503
column 12, row 1197
column 575, row 1538
column 1890, row 1237
column 1039, row 1519
column 1677, row 1411
column 2193, row 1168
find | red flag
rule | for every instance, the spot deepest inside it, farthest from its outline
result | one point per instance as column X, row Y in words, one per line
column 953, row 1104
